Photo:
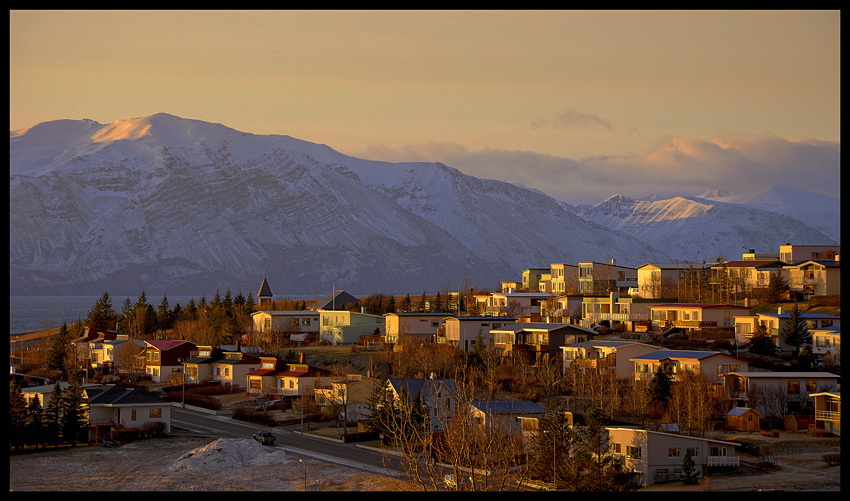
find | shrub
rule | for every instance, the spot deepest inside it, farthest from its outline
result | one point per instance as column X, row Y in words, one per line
column 125, row 435
column 832, row 459
column 258, row 417
column 153, row 428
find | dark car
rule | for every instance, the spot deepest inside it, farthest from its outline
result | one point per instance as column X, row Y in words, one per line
column 265, row 437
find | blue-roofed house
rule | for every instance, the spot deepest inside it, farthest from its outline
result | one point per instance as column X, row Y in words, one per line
column 711, row 363
column 440, row 397
column 509, row 415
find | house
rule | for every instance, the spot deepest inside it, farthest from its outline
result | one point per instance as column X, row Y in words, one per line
column 793, row 254
column 563, row 279
column 44, row 393
column 602, row 278
column 506, row 415
column 337, row 300
column 815, row 277
column 508, row 286
column 828, row 411
column 347, row 396
column 744, row 275
column 531, row 278
column 826, row 342
column 516, row 304
column 233, row 366
column 102, row 352
column 691, row 316
column 298, row 324
column 111, row 406
column 775, row 324
column 562, row 309
column 537, row 342
column 743, row 419
column 421, row 326
column 264, row 296
column 777, row 393
column 284, row 379
column 662, row 280
column 605, row 355
column 165, row 357
column 713, row 364
column 440, row 397
column 658, row 456
column 346, row 327
column 617, row 309
column 462, row 332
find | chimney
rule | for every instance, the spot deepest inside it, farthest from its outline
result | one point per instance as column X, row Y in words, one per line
column 302, row 359
column 781, row 310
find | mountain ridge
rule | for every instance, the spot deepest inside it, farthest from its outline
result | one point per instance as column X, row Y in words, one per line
column 93, row 205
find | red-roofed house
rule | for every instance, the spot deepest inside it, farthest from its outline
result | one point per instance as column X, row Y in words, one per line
column 281, row 378
column 163, row 358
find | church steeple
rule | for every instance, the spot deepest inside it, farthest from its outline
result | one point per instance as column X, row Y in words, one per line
column 264, row 297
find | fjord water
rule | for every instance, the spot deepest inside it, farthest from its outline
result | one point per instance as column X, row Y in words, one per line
column 33, row 313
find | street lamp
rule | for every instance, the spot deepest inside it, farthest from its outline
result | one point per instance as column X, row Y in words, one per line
column 305, row 474
column 183, row 381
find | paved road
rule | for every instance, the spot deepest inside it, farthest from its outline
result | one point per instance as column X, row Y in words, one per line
column 289, row 440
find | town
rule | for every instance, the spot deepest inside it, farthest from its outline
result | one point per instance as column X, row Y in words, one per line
column 586, row 376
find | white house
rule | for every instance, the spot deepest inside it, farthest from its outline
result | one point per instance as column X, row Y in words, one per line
column 658, row 456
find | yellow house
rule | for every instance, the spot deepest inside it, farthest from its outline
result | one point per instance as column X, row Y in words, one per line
column 690, row 316
column 815, row 277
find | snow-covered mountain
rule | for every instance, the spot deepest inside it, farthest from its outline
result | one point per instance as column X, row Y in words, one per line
column 162, row 203
column 693, row 228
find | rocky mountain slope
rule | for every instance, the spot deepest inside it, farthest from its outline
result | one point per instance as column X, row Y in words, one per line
column 162, row 203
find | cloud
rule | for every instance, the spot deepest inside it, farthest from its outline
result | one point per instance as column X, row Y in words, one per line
column 570, row 118
column 676, row 166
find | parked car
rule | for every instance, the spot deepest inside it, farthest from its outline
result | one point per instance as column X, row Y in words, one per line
column 265, row 437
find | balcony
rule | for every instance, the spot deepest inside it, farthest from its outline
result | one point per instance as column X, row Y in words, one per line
column 828, row 416
column 722, row 461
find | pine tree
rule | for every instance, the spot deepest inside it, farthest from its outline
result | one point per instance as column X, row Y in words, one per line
column 34, row 424
column 761, row 343
column 51, row 416
column 102, row 316
column 776, row 287
column 423, row 302
column 405, row 305
column 73, row 411
column 795, row 332
column 163, row 314
column 690, row 475
column 59, row 349
column 438, row 303
column 660, row 385
column 126, row 316
column 17, row 416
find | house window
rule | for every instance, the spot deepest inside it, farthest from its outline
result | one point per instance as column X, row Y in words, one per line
column 793, row 387
column 694, row 452
column 305, row 321
column 673, row 452
column 155, row 413
column 717, row 451
column 132, row 414
column 641, row 368
column 255, row 383
column 616, row 448
column 291, row 384
column 811, row 386
column 633, row 452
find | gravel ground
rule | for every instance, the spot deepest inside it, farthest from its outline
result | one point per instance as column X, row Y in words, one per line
column 184, row 464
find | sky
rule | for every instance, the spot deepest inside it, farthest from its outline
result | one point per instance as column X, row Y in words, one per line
column 579, row 104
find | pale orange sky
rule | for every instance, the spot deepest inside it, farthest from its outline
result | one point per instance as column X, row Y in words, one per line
column 372, row 84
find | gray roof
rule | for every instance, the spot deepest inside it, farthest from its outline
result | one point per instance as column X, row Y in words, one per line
column 335, row 300
column 508, row 407
column 111, row 394
column 265, row 290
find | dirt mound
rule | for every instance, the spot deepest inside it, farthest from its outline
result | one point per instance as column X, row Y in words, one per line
column 226, row 453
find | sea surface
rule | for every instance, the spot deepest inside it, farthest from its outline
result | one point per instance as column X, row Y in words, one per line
column 35, row 313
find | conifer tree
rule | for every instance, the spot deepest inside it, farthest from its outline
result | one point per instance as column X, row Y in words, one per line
column 51, row 416
column 423, row 302
column 59, row 349
column 690, row 475
column 405, row 305
column 660, row 385
column 795, row 332
column 72, row 411
column 17, row 416
column 34, row 424
column 102, row 316
column 761, row 343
